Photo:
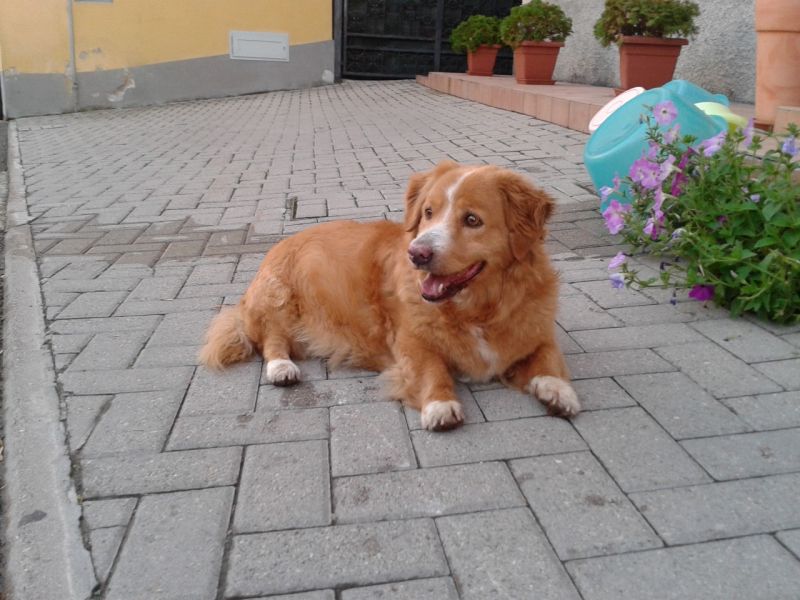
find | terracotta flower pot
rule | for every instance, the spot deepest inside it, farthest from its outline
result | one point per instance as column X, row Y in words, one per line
column 777, row 57
column 481, row 62
column 534, row 62
column 648, row 62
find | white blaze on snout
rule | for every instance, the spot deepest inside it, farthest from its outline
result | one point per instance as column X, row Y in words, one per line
column 440, row 236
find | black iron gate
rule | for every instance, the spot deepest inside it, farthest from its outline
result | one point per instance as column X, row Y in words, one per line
column 403, row 38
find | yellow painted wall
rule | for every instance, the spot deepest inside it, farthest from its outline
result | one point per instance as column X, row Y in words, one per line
column 34, row 35
column 132, row 33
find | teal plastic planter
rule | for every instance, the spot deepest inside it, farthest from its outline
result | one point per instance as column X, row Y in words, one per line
column 621, row 139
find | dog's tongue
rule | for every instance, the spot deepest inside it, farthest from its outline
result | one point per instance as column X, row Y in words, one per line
column 439, row 287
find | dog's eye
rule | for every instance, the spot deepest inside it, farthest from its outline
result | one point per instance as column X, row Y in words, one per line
column 472, row 221
column 428, row 213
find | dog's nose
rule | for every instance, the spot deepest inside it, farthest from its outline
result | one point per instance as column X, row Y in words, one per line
column 420, row 255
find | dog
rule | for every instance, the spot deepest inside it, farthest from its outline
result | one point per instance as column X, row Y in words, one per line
column 462, row 288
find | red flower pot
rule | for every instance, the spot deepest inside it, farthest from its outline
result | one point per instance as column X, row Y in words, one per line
column 648, row 62
column 534, row 62
column 481, row 62
column 777, row 57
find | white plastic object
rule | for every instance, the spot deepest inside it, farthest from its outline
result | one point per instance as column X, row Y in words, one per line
column 612, row 105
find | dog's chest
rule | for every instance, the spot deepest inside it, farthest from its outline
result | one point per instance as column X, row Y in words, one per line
column 485, row 357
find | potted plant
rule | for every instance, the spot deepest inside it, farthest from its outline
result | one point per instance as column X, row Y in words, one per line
column 536, row 32
column 777, row 57
column 649, row 34
column 479, row 37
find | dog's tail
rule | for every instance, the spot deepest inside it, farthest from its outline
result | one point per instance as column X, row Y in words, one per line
column 226, row 340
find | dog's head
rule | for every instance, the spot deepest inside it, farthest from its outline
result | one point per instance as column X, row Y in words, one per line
column 469, row 224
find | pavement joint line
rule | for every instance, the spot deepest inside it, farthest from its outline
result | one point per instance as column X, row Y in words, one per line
column 37, row 463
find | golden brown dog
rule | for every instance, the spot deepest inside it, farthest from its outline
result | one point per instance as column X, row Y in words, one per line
column 463, row 288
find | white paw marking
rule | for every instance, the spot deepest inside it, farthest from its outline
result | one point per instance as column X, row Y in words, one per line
column 282, row 372
column 556, row 393
column 442, row 414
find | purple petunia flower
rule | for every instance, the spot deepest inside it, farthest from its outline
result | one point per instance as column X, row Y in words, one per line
column 658, row 200
column 645, row 173
column 613, row 216
column 713, row 144
column 790, row 146
column 665, row 168
column 617, row 261
column 617, row 182
column 665, row 112
column 722, row 219
column 617, row 280
column 702, row 292
column 755, row 198
column 651, row 228
column 678, row 233
column 680, row 176
column 748, row 132
column 672, row 134
column 652, row 151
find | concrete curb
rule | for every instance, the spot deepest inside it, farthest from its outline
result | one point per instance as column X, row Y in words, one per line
column 45, row 555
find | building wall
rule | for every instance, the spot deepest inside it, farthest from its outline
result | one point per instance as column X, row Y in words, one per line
column 721, row 58
column 70, row 54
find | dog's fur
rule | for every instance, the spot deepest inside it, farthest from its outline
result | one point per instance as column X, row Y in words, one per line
column 349, row 292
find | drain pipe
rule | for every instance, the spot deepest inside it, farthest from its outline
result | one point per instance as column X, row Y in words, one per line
column 71, row 72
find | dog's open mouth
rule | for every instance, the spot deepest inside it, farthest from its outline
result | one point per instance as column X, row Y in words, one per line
column 435, row 288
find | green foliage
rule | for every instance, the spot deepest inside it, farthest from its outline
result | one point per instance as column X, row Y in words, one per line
column 478, row 30
column 651, row 18
column 731, row 225
column 538, row 21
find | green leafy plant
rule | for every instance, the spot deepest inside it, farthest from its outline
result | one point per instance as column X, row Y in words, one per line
column 538, row 21
column 723, row 216
column 651, row 18
column 478, row 30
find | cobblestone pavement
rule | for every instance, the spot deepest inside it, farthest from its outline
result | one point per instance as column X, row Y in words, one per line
column 680, row 480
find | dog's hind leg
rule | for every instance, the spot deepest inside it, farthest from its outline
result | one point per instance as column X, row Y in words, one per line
column 275, row 348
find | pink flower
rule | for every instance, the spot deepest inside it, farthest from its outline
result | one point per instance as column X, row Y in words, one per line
column 672, row 134
column 680, row 176
column 665, row 112
column 645, row 173
column 748, row 133
column 755, row 198
column 666, row 168
column 617, row 280
column 702, row 293
column 613, row 216
column 652, row 151
column 651, row 228
column 658, row 200
column 617, row 261
column 790, row 146
column 713, row 144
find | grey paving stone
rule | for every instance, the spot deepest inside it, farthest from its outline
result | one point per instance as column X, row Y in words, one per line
column 615, row 362
column 581, row 509
column 717, row 371
column 369, row 438
column 82, row 414
column 505, row 403
column 249, row 428
column 105, row 545
column 749, row 454
column 93, row 304
column 601, row 393
column 502, row 554
column 498, row 440
column 440, row 588
column 182, row 329
column 108, row 513
column 168, row 356
column 637, row 336
column 682, row 407
column 311, row 394
column 755, row 567
column 175, row 547
column 342, row 555
column 785, row 372
column 232, row 391
column 110, row 351
column 719, row 510
column 69, row 343
column 318, row 595
column 472, row 413
column 113, row 324
column 578, row 312
column 424, row 493
column 284, row 486
column 665, row 313
column 349, row 373
column 606, row 296
column 565, row 342
column 768, row 411
column 790, row 539
column 118, row 381
column 310, row 370
column 104, row 284
column 157, row 288
column 163, row 307
column 746, row 340
column 151, row 473
column 136, row 422
column 638, row 454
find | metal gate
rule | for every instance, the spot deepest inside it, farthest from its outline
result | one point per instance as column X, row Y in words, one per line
column 398, row 39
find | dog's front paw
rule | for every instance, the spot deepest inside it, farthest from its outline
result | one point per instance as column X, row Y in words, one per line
column 556, row 394
column 282, row 372
column 439, row 415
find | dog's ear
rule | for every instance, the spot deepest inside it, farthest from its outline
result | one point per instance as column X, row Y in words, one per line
column 527, row 210
column 417, row 186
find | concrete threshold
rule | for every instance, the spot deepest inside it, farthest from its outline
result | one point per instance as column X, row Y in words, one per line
column 570, row 105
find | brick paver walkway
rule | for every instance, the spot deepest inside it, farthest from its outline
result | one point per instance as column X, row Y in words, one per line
column 680, row 480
